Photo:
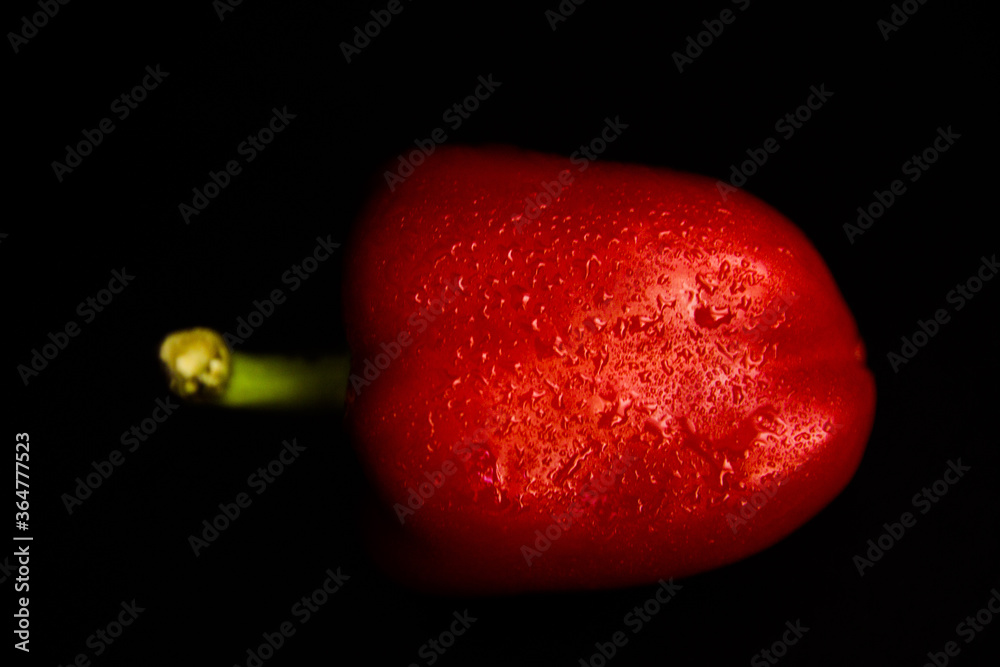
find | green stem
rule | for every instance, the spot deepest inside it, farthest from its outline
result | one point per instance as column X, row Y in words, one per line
column 202, row 369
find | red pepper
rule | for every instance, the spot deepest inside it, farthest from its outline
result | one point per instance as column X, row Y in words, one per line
column 590, row 375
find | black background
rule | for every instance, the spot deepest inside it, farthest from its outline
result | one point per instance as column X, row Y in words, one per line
column 119, row 208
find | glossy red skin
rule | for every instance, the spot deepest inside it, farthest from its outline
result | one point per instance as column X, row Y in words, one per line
column 683, row 370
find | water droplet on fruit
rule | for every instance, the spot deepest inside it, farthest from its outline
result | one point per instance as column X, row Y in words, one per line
column 712, row 317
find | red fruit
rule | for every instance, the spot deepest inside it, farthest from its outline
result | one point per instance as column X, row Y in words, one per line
column 639, row 380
